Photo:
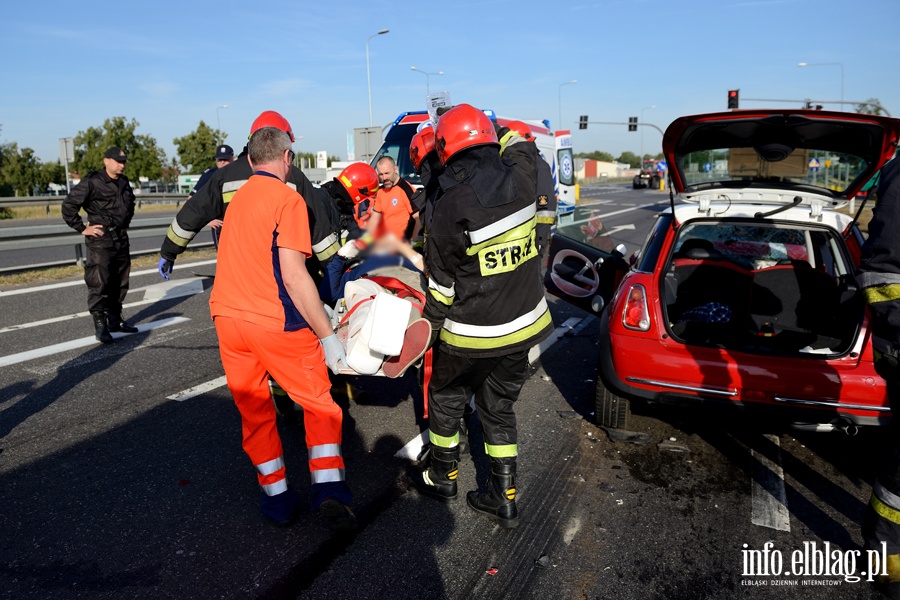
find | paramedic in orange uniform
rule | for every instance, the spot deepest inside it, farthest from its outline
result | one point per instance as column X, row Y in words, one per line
column 270, row 321
column 391, row 211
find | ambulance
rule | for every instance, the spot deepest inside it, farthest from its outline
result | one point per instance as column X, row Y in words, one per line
column 555, row 148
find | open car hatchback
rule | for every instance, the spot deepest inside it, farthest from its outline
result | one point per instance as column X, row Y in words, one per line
column 744, row 294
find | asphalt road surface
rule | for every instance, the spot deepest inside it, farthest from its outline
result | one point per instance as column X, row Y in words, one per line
column 122, row 475
column 33, row 256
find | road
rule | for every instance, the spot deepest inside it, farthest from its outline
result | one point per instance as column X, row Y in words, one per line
column 120, row 478
column 15, row 258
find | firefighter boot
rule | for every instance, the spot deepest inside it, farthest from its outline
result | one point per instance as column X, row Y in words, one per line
column 117, row 323
column 889, row 584
column 101, row 329
column 439, row 478
column 499, row 501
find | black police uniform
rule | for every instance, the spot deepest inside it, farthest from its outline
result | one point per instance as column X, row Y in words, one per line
column 108, row 202
column 879, row 277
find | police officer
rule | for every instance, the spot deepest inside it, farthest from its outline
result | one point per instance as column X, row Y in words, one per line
column 485, row 302
column 879, row 276
column 211, row 201
column 546, row 195
column 108, row 200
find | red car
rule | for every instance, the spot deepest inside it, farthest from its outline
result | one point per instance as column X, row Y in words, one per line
column 744, row 294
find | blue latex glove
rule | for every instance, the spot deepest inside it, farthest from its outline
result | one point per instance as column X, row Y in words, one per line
column 334, row 353
column 165, row 268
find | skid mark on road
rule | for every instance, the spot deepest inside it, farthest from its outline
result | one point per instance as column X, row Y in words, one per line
column 769, row 498
column 20, row 357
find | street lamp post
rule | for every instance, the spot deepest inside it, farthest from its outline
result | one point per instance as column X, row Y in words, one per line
column 368, row 73
column 559, row 99
column 828, row 64
column 219, row 120
column 427, row 77
column 652, row 106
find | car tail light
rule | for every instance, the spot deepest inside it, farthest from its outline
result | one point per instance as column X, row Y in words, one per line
column 636, row 316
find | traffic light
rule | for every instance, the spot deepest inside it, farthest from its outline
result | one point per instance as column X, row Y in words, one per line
column 583, row 122
column 733, row 99
column 632, row 123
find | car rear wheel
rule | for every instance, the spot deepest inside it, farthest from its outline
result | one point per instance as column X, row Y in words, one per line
column 636, row 183
column 610, row 410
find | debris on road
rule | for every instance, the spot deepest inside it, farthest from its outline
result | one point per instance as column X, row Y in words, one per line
column 631, row 437
column 568, row 414
column 492, row 571
column 546, row 378
column 543, row 562
column 671, row 446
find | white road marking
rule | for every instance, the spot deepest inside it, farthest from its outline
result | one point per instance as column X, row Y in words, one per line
column 197, row 390
column 769, row 499
column 618, row 228
column 413, row 448
column 65, row 284
column 152, row 294
column 614, row 213
column 562, row 330
column 52, row 349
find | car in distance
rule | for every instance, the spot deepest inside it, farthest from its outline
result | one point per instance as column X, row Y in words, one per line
column 744, row 294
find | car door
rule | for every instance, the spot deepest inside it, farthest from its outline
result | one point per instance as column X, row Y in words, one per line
column 583, row 265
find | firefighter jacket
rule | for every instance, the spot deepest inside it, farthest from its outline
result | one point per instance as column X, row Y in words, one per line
column 336, row 194
column 545, row 197
column 108, row 202
column 484, row 287
column 212, row 199
column 879, row 269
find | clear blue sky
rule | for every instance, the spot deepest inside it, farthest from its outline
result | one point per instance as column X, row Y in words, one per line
column 170, row 64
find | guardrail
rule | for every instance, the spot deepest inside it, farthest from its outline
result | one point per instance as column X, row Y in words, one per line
column 48, row 201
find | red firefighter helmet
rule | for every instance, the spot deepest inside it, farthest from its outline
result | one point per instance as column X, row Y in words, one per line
column 360, row 180
column 462, row 127
column 270, row 118
column 522, row 129
column 422, row 144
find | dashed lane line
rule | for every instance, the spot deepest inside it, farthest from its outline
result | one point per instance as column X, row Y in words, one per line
column 20, row 357
column 413, row 447
column 768, row 496
column 197, row 390
column 65, row 284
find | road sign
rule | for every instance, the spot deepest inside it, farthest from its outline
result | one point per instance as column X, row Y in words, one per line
column 662, row 165
column 814, row 165
column 707, row 167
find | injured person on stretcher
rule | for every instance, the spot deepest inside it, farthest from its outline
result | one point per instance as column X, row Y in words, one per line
column 376, row 295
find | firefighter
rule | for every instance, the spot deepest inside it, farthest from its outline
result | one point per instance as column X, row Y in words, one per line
column 485, row 302
column 425, row 161
column 879, row 276
column 269, row 320
column 108, row 200
column 357, row 184
column 210, row 202
column 546, row 196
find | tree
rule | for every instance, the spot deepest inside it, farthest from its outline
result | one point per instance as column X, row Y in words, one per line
column 197, row 150
column 145, row 158
column 22, row 170
column 170, row 173
column 52, row 172
column 869, row 109
column 596, row 155
column 629, row 158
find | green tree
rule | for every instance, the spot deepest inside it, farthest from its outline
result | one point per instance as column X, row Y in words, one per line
column 869, row 109
column 145, row 157
column 170, row 172
column 197, row 150
column 22, row 170
column 52, row 172
column 629, row 158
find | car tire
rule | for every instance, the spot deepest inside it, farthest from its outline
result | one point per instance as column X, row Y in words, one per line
column 654, row 183
column 635, row 184
column 610, row 411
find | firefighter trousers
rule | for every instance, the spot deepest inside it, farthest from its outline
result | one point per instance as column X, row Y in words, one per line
column 107, row 270
column 881, row 522
column 495, row 382
column 295, row 359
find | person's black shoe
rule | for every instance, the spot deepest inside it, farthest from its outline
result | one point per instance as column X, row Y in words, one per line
column 438, row 479
column 116, row 323
column 101, row 329
column 337, row 515
column 499, row 501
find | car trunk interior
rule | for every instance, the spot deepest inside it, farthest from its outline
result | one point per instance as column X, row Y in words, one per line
column 762, row 288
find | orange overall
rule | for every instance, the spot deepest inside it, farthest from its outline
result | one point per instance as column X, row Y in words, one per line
column 262, row 333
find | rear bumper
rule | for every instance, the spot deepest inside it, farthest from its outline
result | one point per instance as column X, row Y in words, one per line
column 787, row 409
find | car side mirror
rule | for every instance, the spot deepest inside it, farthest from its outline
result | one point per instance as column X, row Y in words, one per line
column 621, row 249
